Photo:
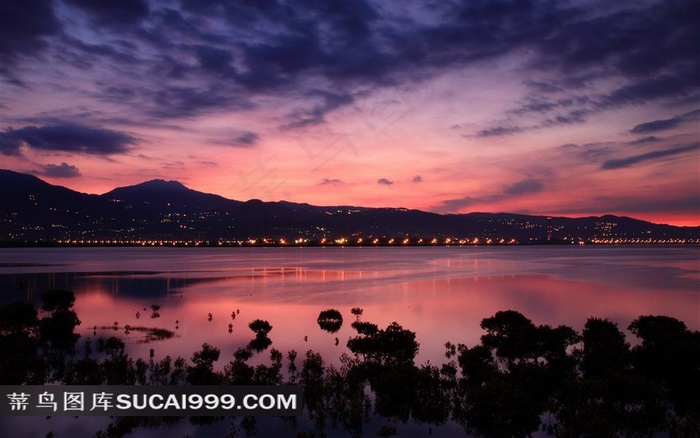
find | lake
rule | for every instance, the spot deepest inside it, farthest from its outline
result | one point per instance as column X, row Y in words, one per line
column 440, row 293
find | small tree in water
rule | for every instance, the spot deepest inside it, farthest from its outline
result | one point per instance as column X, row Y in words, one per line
column 260, row 327
column 357, row 311
column 392, row 346
column 330, row 320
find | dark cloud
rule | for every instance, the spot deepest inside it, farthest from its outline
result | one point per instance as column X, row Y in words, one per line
column 330, row 182
column 590, row 152
column 113, row 13
column 649, row 156
column 68, row 138
column 279, row 62
column 85, row 55
column 453, row 205
column 647, row 49
column 64, row 170
column 206, row 55
column 656, row 125
column 326, row 39
column 9, row 144
column 562, row 111
column 677, row 85
column 544, row 87
column 570, row 118
column 524, row 187
column 246, row 139
column 498, row 131
column 316, row 115
column 664, row 124
column 188, row 101
column 639, row 40
column 24, row 28
column 384, row 182
column 417, row 179
column 540, row 106
column 646, row 140
column 214, row 60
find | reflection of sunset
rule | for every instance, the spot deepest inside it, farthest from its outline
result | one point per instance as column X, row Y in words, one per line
column 438, row 310
column 440, row 293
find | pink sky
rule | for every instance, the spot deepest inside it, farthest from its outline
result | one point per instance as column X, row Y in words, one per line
column 449, row 108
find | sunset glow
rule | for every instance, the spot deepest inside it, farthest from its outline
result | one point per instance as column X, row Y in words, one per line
column 547, row 108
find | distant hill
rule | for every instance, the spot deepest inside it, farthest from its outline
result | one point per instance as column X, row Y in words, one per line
column 158, row 194
column 32, row 209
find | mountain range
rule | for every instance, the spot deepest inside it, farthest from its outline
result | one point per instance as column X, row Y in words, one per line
column 34, row 210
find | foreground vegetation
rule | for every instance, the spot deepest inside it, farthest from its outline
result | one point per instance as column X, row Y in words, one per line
column 522, row 378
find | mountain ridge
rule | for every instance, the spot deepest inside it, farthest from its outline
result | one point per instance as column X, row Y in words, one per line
column 160, row 209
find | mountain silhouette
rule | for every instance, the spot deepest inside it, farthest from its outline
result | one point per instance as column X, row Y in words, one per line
column 158, row 194
column 33, row 209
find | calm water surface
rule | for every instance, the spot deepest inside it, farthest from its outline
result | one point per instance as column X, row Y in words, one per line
column 440, row 293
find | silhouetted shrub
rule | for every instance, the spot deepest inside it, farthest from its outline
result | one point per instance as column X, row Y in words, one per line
column 365, row 328
column 17, row 317
column 391, row 346
column 330, row 320
column 260, row 327
column 57, row 299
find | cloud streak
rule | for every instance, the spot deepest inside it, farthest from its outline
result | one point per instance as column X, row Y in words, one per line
column 246, row 139
column 330, row 182
column 664, row 124
column 619, row 163
column 510, row 191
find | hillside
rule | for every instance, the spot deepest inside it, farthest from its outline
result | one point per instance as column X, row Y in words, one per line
column 167, row 210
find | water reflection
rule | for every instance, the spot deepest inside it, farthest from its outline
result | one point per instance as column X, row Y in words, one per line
column 433, row 290
column 589, row 382
column 440, row 294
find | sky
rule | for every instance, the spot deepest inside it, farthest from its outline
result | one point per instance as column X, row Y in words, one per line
column 564, row 108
